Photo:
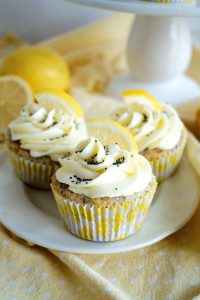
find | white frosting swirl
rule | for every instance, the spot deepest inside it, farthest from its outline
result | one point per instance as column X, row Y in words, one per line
column 97, row 171
column 151, row 128
column 47, row 132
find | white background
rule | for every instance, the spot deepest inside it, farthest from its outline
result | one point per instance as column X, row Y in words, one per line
column 38, row 19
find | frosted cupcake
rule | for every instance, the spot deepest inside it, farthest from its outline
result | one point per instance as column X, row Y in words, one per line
column 103, row 191
column 43, row 132
column 157, row 128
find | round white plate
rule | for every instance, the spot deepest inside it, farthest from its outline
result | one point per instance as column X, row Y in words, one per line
column 146, row 7
column 33, row 215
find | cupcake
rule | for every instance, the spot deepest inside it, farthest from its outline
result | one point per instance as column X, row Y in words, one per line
column 103, row 191
column 157, row 128
column 43, row 132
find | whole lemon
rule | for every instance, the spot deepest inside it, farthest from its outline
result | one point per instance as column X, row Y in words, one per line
column 41, row 67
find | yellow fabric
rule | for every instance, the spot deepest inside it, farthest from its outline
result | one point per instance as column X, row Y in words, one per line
column 166, row 270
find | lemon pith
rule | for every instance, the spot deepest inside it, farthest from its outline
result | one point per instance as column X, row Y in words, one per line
column 60, row 100
column 137, row 94
column 109, row 132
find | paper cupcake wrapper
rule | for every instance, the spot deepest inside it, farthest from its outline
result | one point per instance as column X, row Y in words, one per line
column 35, row 174
column 164, row 166
column 105, row 223
column 173, row 1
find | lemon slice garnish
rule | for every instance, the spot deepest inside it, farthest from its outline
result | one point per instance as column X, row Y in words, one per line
column 14, row 94
column 60, row 101
column 193, row 152
column 110, row 132
column 141, row 96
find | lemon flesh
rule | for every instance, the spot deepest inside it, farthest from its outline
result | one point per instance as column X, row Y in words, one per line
column 110, row 132
column 14, row 94
column 141, row 96
column 59, row 100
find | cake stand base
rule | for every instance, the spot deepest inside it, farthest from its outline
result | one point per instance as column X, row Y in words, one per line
column 175, row 92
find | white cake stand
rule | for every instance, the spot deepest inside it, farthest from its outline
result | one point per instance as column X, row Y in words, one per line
column 159, row 49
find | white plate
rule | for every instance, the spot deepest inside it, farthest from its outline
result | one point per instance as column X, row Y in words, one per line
column 146, row 7
column 33, row 215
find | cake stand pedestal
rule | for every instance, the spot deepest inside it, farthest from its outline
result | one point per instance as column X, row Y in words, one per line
column 158, row 51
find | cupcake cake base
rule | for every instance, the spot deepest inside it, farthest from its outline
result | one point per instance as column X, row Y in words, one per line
column 164, row 162
column 102, row 219
column 36, row 172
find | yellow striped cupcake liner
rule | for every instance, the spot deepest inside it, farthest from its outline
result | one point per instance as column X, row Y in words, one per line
column 37, row 175
column 173, row 1
column 105, row 223
column 164, row 166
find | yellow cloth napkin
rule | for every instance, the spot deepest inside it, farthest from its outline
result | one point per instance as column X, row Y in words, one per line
column 168, row 270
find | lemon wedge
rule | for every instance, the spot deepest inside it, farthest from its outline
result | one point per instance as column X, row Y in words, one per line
column 59, row 100
column 14, row 94
column 141, row 96
column 110, row 132
column 193, row 152
column 41, row 67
